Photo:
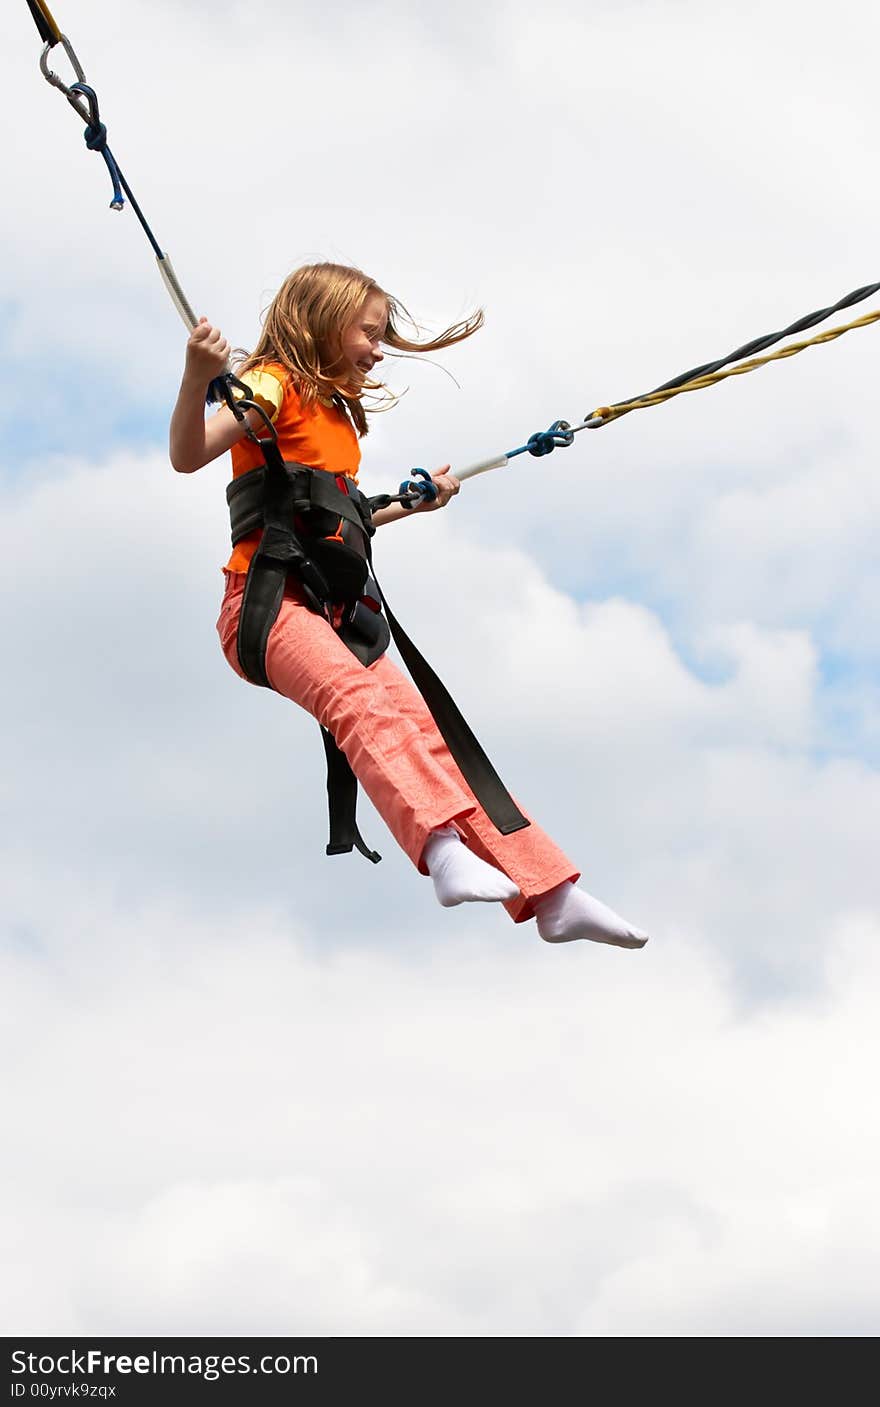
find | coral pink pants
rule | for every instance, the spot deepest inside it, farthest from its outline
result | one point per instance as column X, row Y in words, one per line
column 381, row 723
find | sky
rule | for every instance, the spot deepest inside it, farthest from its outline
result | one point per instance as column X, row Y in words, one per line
column 252, row 1090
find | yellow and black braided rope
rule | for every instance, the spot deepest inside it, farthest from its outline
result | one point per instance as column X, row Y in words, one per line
column 49, row 31
column 698, row 382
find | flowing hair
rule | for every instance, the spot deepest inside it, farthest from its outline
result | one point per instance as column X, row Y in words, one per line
column 303, row 327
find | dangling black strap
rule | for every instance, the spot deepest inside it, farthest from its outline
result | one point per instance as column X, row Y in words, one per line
column 342, row 791
column 469, row 755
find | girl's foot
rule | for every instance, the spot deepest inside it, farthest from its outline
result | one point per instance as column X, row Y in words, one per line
column 567, row 913
column 459, row 876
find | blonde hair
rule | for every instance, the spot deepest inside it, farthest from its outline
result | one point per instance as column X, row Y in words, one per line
column 303, row 328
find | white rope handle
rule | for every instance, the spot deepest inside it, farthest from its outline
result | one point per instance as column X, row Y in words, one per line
column 482, row 467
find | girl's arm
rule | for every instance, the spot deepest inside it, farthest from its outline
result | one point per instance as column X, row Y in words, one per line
column 447, row 487
column 193, row 440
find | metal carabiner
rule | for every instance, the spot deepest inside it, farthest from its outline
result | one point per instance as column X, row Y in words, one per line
column 91, row 115
column 53, row 78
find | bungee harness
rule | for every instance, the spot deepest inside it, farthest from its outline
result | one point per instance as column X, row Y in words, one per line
column 317, row 529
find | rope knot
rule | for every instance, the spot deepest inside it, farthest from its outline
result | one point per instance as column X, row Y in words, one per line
column 422, row 491
column 96, row 137
column 540, row 443
column 545, row 441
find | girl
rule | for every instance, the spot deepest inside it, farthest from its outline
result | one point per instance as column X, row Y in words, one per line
column 311, row 372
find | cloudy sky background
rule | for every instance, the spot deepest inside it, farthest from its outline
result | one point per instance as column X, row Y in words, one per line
column 252, row 1090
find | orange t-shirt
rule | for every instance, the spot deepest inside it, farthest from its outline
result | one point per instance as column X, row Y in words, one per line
column 321, row 436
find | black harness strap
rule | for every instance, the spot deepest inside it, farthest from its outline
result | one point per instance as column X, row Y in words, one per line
column 469, row 755
column 272, row 496
column 284, row 488
column 342, row 792
column 278, row 554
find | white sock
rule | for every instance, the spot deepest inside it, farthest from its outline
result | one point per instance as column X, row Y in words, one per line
column 460, row 876
column 567, row 913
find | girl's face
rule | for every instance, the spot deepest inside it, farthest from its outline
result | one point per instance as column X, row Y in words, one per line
column 362, row 338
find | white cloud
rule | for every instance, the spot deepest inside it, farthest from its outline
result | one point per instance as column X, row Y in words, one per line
column 233, row 1060
column 452, row 1141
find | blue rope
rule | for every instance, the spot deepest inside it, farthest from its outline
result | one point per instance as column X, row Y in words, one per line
column 96, row 140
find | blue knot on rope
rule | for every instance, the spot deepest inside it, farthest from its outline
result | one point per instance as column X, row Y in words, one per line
column 426, row 489
column 96, row 140
column 96, row 137
column 545, row 441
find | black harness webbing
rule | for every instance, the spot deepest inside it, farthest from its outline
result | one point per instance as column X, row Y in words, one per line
column 333, row 567
column 468, row 753
column 342, row 793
